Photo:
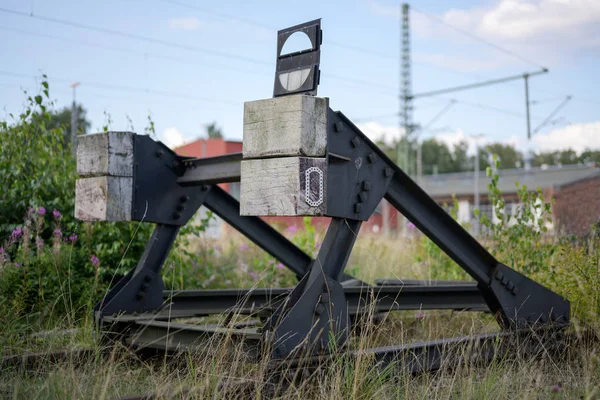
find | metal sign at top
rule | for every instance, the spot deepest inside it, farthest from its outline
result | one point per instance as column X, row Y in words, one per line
column 298, row 72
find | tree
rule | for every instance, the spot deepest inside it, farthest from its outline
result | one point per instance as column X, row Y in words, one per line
column 213, row 131
column 508, row 155
column 61, row 119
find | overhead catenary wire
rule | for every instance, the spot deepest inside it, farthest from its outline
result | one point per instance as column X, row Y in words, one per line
column 176, row 45
column 132, row 89
column 480, row 39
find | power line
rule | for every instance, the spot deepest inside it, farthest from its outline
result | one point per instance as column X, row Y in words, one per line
column 130, row 89
column 480, row 39
column 135, row 36
column 81, row 26
column 552, row 114
column 270, row 28
column 479, row 84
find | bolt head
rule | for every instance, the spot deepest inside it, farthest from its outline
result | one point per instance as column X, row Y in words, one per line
column 148, row 278
column 362, row 197
column 160, row 153
column 320, row 309
column 177, row 215
column 366, row 186
column 355, row 142
column 325, row 298
column 388, row 172
column 510, row 285
column 338, row 126
column 499, row 275
column 184, row 199
column 357, row 208
column 372, row 158
column 515, row 291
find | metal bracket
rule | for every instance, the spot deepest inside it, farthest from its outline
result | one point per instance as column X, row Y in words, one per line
column 157, row 197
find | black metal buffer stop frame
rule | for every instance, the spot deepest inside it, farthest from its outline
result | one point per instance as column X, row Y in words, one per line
column 315, row 315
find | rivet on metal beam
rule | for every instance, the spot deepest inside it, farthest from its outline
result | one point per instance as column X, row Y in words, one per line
column 510, row 285
column 387, row 172
column 366, row 186
column 362, row 197
column 338, row 126
column 325, row 298
column 160, row 153
column 148, row 278
column 183, row 199
column 358, row 208
column 355, row 142
column 177, row 215
column 499, row 275
column 320, row 309
column 372, row 158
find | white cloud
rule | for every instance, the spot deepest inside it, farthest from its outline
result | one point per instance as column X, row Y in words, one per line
column 550, row 29
column 172, row 137
column 576, row 136
column 186, row 23
column 376, row 131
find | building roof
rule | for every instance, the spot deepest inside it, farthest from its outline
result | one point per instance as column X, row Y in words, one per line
column 446, row 185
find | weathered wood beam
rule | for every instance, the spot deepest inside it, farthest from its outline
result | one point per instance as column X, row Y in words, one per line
column 285, row 126
column 289, row 186
column 105, row 164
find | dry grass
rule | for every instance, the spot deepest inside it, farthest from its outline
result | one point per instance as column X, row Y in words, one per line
column 222, row 370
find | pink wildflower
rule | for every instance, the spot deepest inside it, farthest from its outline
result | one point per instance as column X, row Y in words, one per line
column 95, row 261
column 41, row 211
column 56, row 213
column 253, row 274
column 292, row 229
column 243, row 247
column 280, row 266
column 57, row 232
column 73, row 238
column 17, row 232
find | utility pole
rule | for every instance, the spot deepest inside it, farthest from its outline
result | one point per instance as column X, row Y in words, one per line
column 476, row 182
column 74, row 119
column 406, row 79
column 406, row 108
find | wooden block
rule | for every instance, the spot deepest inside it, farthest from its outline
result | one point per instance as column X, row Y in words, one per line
column 290, row 186
column 285, row 126
column 103, row 198
column 105, row 153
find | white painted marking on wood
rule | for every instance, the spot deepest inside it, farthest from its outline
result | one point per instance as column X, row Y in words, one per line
column 319, row 173
column 282, row 186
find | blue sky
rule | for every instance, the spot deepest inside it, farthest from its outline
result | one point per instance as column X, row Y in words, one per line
column 206, row 58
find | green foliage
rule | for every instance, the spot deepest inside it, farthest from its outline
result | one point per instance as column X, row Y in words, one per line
column 61, row 119
column 36, row 168
column 37, row 177
column 519, row 239
column 438, row 263
column 213, row 131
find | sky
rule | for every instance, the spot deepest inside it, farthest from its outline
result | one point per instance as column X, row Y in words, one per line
column 186, row 63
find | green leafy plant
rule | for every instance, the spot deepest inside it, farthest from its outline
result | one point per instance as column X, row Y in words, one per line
column 519, row 238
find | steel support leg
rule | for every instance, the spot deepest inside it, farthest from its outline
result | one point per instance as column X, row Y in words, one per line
column 315, row 314
column 141, row 289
